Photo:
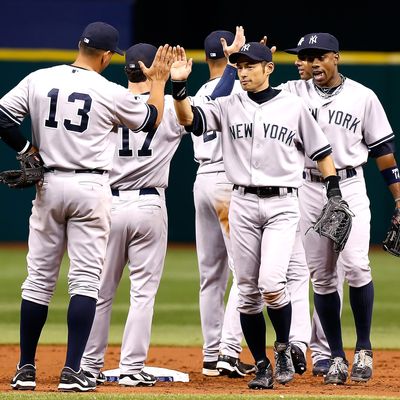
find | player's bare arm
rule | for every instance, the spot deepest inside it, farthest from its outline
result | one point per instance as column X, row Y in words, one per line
column 326, row 166
column 180, row 71
column 158, row 74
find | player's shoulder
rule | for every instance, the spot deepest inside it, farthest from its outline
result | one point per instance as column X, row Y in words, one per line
column 357, row 86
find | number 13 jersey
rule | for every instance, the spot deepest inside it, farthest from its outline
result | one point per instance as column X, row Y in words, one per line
column 73, row 113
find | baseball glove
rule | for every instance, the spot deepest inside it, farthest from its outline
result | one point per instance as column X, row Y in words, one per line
column 392, row 241
column 30, row 174
column 335, row 222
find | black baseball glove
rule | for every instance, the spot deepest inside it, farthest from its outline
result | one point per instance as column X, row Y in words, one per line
column 335, row 222
column 30, row 174
column 392, row 241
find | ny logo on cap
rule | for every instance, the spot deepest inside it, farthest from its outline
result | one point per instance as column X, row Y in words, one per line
column 313, row 39
column 246, row 47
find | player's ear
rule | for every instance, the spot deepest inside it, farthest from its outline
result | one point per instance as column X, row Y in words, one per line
column 336, row 58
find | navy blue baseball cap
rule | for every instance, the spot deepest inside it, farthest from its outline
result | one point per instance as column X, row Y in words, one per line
column 143, row 52
column 100, row 35
column 254, row 50
column 316, row 41
column 213, row 46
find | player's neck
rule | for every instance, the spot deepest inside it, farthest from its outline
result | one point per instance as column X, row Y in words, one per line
column 217, row 68
column 139, row 87
column 82, row 62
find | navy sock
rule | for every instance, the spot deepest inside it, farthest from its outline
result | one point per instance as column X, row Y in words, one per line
column 33, row 318
column 361, row 301
column 254, row 332
column 80, row 318
column 281, row 319
column 328, row 309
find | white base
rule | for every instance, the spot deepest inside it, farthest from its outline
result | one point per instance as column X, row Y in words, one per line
column 162, row 374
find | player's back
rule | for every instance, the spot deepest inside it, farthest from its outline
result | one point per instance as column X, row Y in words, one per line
column 73, row 111
column 143, row 159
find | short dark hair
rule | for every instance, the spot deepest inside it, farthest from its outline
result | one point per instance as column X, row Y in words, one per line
column 90, row 51
column 135, row 75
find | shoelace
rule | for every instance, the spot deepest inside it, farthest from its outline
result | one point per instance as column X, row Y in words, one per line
column 363, row 360
column 337, row 366
column 284, row 357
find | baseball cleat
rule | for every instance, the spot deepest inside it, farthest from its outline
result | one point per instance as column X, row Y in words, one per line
column 298, row 359
column 72, row 381
column 362, row 366
column 264, row 377
column 233, row 367
column 210, row 368
column 321, row 367
column 338, row 372
column 140, row 379
column 24, row 378
column 284, row 369
column 98, row 379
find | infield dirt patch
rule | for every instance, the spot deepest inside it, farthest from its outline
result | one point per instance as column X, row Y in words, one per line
column 50, row 360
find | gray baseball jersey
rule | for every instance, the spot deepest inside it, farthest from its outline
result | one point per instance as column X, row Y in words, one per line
column 138, row 237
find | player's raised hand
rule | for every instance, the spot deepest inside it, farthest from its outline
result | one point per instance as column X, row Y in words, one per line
column 161, row 66
column 181, row 67
column 264, row 42
column 238, row 41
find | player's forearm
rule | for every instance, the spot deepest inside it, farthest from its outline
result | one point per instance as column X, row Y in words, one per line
column 184, row 112
column 328, row 170
column 13, row 137
column 326, row 166
column 156, row 99
column 182, row 105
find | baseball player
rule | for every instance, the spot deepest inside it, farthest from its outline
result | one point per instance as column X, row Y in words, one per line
column 354, row 121
column 138, row 228
column 222, row 332
column 320, row 352
column 263, row 157
column 221, row 328
column 74, row 111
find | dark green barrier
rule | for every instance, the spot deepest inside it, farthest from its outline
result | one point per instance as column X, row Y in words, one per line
column 16, row 205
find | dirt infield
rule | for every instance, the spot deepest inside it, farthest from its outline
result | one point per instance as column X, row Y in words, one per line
column 50, row 360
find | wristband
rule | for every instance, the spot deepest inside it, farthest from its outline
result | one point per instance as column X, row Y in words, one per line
column 391, row 175
column 396, row 200
column 26, row 148
column 179, row 90
column 332, row 186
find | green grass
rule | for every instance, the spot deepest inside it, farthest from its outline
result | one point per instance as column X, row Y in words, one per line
column 176, row 317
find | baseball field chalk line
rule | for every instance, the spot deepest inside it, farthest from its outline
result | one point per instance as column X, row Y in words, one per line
column 162, row 374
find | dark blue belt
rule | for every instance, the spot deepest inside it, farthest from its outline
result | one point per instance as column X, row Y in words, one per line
column 263, row 191
column 115, row 192
column 78, row 171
